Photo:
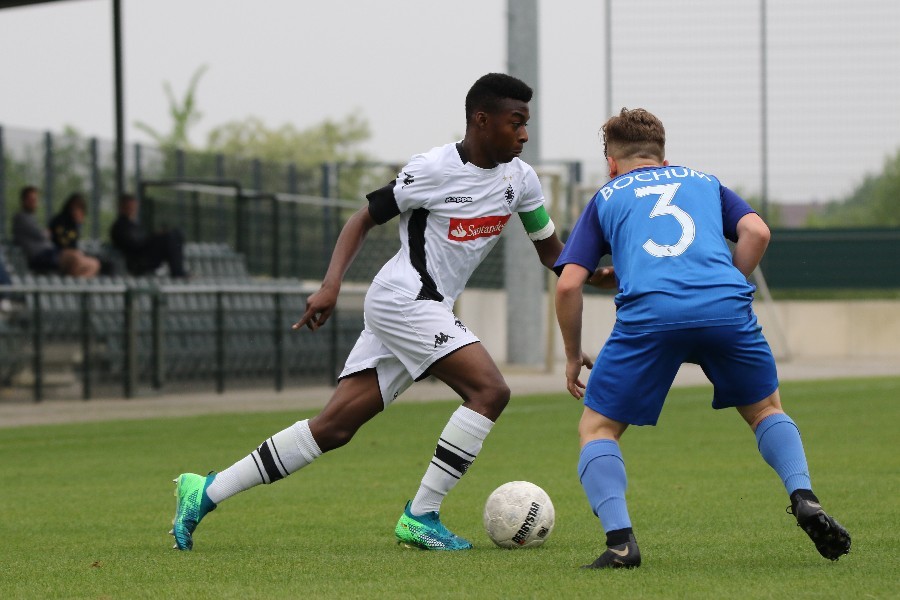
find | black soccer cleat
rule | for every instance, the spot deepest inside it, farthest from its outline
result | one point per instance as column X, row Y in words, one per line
column 622, row 556
column 831, row 539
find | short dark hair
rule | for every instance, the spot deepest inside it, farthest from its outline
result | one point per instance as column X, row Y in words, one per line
column 25, row 191
column 75, row 200
column 486, row 93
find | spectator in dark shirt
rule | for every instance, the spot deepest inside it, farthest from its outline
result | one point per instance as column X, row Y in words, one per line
column 144, row 251
column 65, row 230
column 34, row 240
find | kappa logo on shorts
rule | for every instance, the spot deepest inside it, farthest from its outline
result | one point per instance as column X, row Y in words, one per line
column 464, row 230
column 459, row 324
column 441, row 339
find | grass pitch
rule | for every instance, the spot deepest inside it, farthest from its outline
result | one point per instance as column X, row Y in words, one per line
column 84, row 509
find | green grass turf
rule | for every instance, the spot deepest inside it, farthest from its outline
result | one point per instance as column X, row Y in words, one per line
column 85, row 509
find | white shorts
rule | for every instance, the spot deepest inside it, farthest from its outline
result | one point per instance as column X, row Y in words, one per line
column 403, row 338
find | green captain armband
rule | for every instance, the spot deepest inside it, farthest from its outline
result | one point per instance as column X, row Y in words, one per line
column 538, row 224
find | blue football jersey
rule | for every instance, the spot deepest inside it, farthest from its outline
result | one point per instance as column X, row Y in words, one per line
column 667, row 230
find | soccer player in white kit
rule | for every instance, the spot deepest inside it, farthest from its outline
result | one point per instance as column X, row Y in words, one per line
column 452, row 202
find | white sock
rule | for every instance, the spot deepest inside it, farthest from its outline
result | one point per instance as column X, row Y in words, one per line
column 457, row 447
column 284, row 453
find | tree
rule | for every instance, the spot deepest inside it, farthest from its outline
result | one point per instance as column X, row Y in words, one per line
column 326, row 142
column 872, row 204
column 184, row 115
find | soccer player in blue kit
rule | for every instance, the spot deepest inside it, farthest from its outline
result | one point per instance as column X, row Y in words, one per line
column 683, row 296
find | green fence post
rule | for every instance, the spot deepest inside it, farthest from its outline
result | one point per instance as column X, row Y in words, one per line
column 158, row 308
column 220, row 342
column 85, row 346
column 129, row 375
column 279, row 343
column 38, row 341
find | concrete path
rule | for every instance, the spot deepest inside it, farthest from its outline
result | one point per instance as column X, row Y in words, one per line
column 521, row 381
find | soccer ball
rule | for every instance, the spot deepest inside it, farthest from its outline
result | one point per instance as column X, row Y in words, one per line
column 518, row 514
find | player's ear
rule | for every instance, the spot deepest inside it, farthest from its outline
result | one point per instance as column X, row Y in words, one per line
column 480, row 118
column 665, row 163
column 613, row 167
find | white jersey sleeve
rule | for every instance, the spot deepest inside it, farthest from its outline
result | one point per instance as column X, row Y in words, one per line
column 532, row 194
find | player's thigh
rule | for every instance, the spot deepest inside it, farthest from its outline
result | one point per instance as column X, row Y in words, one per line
column 356, row 399
column 633, row 374
column 739, row 363
column 471, row 372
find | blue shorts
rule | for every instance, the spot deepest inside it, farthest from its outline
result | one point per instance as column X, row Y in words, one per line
column 635, row 371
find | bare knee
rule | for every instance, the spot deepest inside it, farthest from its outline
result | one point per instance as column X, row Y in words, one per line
column 356, row 400
column 331, row 434
column 490, row 400
column 754, row 414
column 594, row 426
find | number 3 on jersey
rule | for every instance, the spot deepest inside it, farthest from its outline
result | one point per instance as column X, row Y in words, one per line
column 662, row 207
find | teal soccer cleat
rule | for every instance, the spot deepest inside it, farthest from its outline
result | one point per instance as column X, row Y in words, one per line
column 427, row 533
column 191, row 505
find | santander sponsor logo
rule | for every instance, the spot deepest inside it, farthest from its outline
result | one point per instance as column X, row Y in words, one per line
column 463, row 230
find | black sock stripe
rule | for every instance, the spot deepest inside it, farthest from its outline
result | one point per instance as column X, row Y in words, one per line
column 451, row 459
column 265, row 454
column 454, row 475
column 278, row 456
column 256, row 462
column 457, row 448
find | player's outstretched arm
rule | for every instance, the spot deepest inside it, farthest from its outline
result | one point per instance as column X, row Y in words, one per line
column 569, row 306
column 753, row 237
column 548, row 250
column 320, row 305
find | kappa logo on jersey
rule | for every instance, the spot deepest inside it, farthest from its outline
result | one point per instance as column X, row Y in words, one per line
column 441, row 339
column 408, row 179
column 463, row 230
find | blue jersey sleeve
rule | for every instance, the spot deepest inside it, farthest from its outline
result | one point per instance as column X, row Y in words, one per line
column 733, row 209
column 586, row 244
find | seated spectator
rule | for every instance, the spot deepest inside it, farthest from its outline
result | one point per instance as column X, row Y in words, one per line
column 144, row 251
column 65, row 230
column 34, row 240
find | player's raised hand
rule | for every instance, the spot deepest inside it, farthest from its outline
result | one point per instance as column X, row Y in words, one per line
column 319, row 308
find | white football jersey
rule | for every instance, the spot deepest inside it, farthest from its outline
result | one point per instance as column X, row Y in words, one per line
column 451, row 215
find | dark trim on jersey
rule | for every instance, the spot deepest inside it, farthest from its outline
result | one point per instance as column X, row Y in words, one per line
column 418, row 222
column 382, row 204
column 463, row 155
column 265, row 454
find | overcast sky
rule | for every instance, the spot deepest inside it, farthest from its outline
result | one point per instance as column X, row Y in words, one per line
column 405, row 66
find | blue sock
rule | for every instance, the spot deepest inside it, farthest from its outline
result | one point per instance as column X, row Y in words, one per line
column 779, row 443
column 602, row 473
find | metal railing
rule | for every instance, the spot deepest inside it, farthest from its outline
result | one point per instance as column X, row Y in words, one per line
column 142, row 312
